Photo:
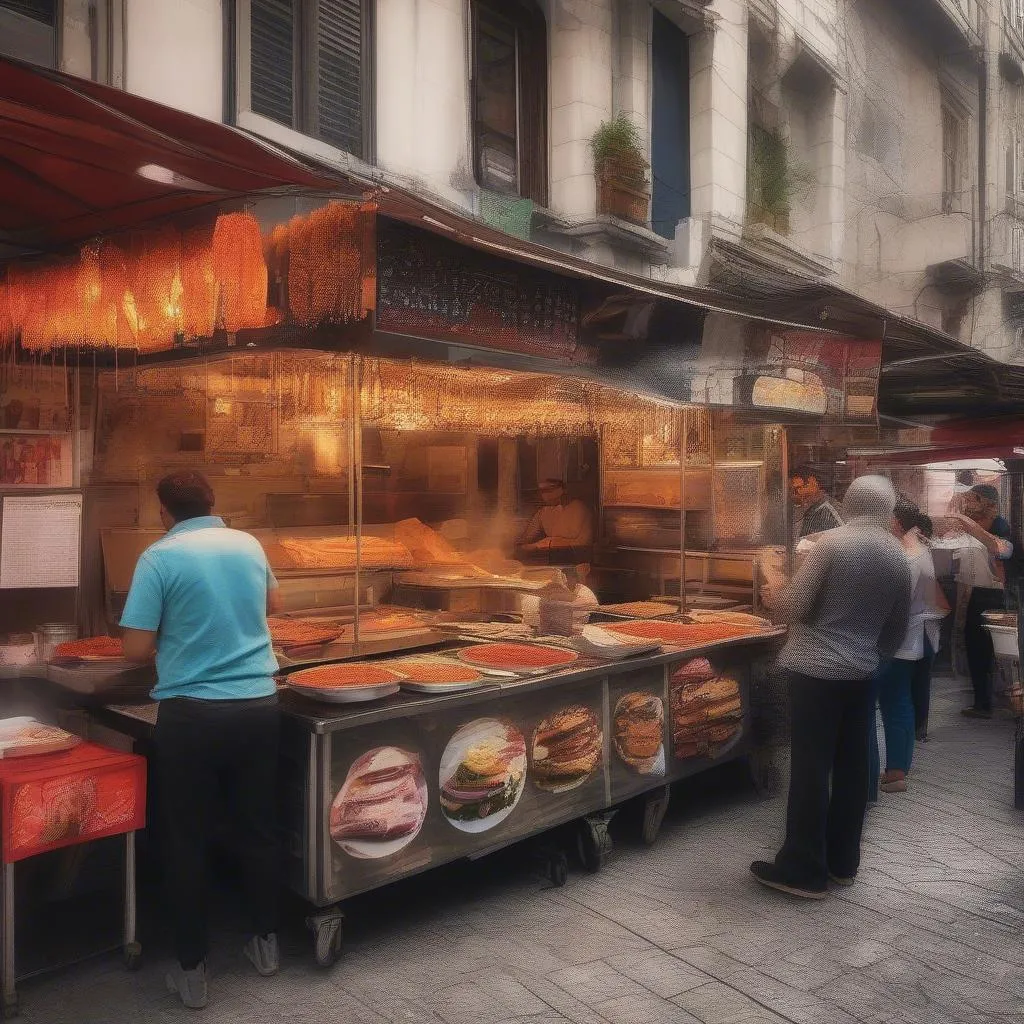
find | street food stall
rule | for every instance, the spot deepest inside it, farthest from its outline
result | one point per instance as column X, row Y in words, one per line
column 386, row 433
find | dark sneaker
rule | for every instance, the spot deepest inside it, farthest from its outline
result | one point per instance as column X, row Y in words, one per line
column 263, row 954
column 190, row 986
column 976, row 713
column 922, row 734
column 770, row 875
column 844, row 881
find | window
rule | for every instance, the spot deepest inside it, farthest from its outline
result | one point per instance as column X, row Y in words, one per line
column 305, row 64
column 953, row 146
column 510, row 104
column 28, row 30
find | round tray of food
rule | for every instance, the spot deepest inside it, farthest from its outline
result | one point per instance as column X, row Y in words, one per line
column 680, row 634
column 345, row 682
column 296, row 633
column 91, row 648
column 436, row 675
column 599, row 642
column 523, row 659
column 639, row 609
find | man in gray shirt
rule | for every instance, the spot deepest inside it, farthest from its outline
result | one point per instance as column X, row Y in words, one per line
column 847, row 606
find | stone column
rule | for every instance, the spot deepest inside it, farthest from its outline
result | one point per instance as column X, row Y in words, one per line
column 580, row 43
column 718, row 117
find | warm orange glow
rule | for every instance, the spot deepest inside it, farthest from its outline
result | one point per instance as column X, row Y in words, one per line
column 141, row 294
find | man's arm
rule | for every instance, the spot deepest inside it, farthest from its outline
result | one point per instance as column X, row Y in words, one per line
column 274, row 600
column 796, row 600
column 143, row 611
column 533, row 532
column 139, row 645
column 999, row 547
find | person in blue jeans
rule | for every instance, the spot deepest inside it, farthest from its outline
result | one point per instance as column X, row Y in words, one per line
column 895, row 676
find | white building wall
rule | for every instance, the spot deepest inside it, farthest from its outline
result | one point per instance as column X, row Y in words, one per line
column 174, row 54
column 422, row 91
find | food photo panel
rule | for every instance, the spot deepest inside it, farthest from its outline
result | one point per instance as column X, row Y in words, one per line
column 638, row 713
column 707, row 712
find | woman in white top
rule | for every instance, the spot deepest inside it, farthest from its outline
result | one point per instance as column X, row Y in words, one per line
column 894, row 679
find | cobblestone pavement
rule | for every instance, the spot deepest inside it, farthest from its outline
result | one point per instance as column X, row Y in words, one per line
column 933, row 930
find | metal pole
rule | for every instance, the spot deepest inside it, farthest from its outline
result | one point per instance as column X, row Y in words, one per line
column 353, row 402
column 9, row 980
column 129, row 889
column 357, row 468
column 683, row 419
column 787, row 504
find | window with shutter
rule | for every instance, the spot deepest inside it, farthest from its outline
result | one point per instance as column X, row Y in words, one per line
column 510, row 99
column 272, row 47
column 305, row 65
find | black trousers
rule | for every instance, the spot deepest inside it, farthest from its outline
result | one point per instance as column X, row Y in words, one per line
column 978, row 643
column 921, row 689
column 829, row 741
column 203, row 748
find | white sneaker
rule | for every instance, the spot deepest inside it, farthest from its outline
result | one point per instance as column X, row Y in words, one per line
column 263, row 954
column 189, row 985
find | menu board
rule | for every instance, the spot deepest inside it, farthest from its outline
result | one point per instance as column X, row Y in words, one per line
column 40, row 541
column 430, row 287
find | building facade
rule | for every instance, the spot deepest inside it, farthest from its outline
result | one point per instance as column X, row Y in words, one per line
column 874, row 145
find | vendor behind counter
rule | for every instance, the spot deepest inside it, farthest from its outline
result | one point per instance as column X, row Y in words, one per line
column 561, row 531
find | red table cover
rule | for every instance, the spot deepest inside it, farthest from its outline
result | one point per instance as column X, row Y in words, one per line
column 76, row 796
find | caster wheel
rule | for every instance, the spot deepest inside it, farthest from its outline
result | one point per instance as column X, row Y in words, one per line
column 558, row 870
column 593, row 843
column 133, row 956
column 327, row 938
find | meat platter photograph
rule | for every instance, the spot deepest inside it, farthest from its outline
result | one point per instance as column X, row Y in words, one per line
column 483, row 770
column 382, row 804
column 707, row 710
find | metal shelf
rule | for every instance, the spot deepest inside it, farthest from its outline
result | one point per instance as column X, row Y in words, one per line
column 50, row 433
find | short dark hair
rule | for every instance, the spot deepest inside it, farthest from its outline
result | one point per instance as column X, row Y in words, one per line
column 906, row 513
column 807, row 470
column 987, row 493
column 185, row 494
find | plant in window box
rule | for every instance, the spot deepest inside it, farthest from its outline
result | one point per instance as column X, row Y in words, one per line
column 621, row 170
column 774, row 179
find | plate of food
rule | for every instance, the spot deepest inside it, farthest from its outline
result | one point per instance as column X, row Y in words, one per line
column 91, row 648
column 523, row 659
column 345, row 682
column 567, row 748
column 382, row 804
column 482, row 774
column 599, row 642
column 296, row 633
column 680, row 634
column 23, row 737
column 639, row 609
column 436, row 675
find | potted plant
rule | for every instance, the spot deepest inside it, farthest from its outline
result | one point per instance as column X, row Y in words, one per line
column 774, row 179
column 621, row 170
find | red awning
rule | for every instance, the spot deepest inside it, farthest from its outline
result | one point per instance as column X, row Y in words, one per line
column 79, row 159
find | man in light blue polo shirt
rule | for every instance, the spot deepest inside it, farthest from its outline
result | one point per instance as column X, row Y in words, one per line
column 199, row 601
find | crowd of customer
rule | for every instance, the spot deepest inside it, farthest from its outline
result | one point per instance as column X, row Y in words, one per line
column 864, row 610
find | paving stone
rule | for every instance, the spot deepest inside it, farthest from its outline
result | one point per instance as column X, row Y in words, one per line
column 661, row 973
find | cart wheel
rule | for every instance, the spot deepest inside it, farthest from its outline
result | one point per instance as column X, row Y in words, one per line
column 593, row 842
column 11, row 1007
column 327, row 937
column 558, row 870
column 133, row 956
column 655, row 806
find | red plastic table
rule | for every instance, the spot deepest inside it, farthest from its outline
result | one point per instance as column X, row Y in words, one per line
column 53, row 801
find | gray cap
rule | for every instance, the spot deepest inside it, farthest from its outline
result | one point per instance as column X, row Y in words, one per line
column 870, row 497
